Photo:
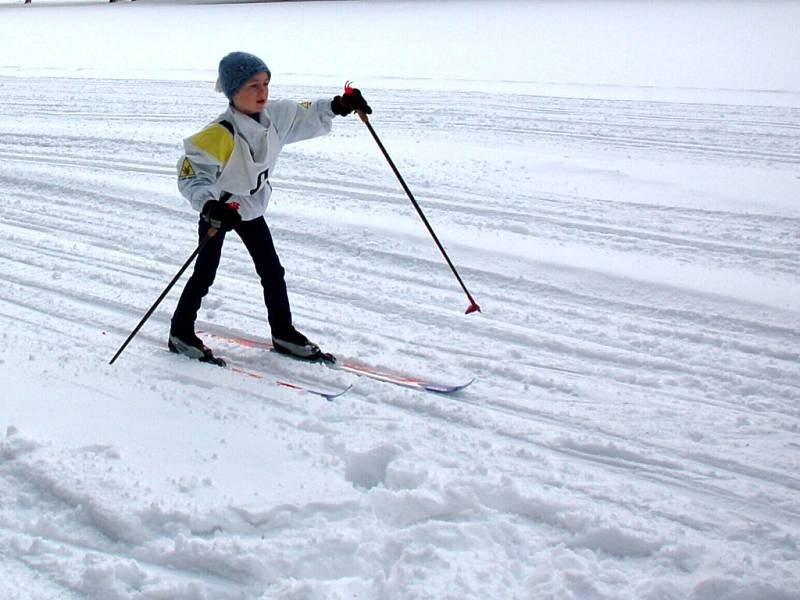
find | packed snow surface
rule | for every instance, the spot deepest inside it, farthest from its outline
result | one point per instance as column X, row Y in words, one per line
column 618, row 185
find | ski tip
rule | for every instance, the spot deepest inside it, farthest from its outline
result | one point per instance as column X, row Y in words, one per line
column 329, row 396
column 445, row 389
column 332, row 397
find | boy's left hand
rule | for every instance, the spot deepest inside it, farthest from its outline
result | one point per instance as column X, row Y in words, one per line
column 349, row 101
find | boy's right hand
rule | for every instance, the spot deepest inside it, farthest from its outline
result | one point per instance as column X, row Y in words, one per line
column 220, row 215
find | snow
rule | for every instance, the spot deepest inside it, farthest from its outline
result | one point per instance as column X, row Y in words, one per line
column 617, row 183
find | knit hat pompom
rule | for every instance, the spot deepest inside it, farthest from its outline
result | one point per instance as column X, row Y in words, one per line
column 236, row 69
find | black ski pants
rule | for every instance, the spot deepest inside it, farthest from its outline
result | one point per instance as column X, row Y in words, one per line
column 258, row 241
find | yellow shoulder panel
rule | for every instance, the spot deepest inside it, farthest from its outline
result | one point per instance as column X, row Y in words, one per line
column 215, row 140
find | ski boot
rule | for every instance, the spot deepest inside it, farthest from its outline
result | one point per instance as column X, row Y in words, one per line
column 292, row 343
column 193, row 347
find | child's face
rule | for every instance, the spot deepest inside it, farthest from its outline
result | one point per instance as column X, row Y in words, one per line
column 252, row 97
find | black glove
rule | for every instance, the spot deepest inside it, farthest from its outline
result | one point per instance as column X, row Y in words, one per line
column 220, row 215
column 349, row 101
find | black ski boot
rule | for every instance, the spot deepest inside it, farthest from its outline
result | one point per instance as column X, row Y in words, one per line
column 289, row 341
column 193, row 347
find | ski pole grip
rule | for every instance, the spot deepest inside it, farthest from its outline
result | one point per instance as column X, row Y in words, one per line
column 363, row 116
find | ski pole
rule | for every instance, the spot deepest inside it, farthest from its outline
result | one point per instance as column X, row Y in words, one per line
column 211, row 233
column 473, row 306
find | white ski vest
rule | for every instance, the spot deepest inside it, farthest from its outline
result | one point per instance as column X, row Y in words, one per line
column 237, row 154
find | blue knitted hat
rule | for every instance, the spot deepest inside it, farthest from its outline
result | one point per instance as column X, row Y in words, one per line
column 236, row 69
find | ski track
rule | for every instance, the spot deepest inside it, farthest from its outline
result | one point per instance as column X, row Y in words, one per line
column 595, row 394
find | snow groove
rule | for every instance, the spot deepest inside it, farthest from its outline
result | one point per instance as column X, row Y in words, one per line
column 635, row 408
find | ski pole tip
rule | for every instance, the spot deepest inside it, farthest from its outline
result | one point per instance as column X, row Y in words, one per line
column 473, row 308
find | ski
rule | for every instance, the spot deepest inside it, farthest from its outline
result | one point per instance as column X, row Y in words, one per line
column 352, row 366
column 297, row 387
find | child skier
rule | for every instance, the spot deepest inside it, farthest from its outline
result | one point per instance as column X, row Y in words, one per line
column 231, row 159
